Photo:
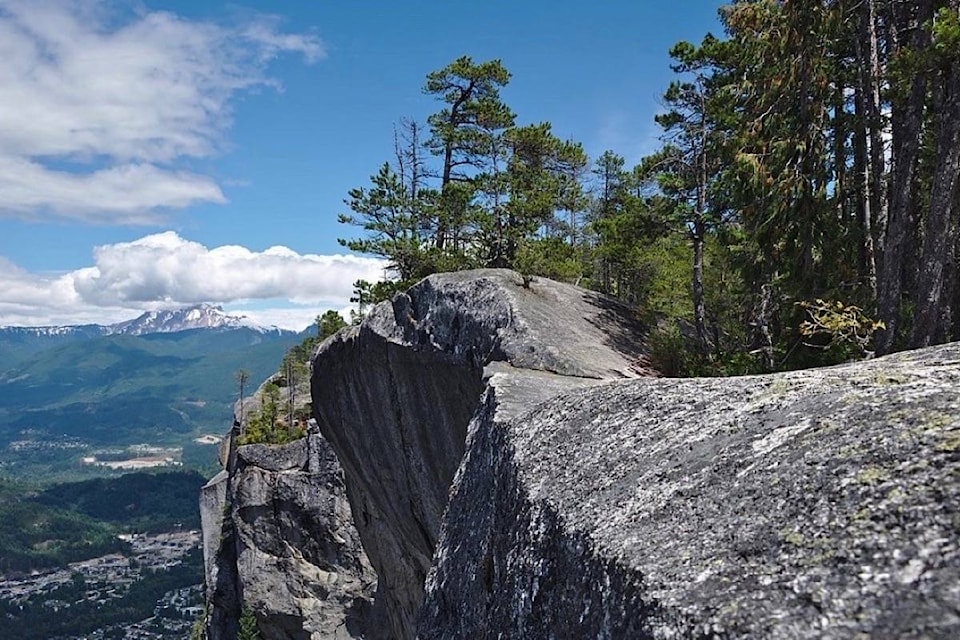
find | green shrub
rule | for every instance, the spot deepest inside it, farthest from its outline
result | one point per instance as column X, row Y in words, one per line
column 248, row 626
column 668, row 351
column 844, row 332
column 266, row 426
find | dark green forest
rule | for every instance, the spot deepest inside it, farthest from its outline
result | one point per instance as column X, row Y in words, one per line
column 801, row 210
column 68, row 522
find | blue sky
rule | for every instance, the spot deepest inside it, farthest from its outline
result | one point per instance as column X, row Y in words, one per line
column 160, row 153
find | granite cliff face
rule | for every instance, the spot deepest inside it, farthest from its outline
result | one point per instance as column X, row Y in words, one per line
column 279, row 539
column 395, row 395
column 513, row 472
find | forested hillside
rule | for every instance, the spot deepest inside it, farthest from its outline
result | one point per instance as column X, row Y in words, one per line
column 802, row 208
column 121, row 389
column 79, row 520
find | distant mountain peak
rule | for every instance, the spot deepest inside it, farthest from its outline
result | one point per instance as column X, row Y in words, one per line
column 199, row 316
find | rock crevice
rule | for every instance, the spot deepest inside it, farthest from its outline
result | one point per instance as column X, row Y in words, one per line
column 395, row 397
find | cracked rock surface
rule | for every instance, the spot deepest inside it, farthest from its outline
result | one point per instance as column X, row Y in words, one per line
column 813, row 504
column 394, row 397
column 279, row 538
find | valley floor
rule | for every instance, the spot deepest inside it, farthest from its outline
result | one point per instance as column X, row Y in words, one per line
column 152, row 591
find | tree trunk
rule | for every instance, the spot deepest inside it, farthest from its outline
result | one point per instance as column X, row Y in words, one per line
column 863, row 182
column 763, row 316
column 907, row 117
column 699, row 308
column 841, row 187
column 953, row 282
column 878, row 189
column 700, row 232
column 454, row 121
column 939, row 228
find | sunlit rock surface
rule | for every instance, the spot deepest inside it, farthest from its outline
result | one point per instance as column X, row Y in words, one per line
column 814, row 504
column 394, row 397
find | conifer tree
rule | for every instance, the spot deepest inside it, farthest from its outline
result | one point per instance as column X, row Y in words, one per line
column 463, row 134
column 248, row 626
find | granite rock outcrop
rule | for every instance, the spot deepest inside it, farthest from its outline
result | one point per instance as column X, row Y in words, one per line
column 279, row 539
column 812, row 504
column 513, row 470
column 394, row 397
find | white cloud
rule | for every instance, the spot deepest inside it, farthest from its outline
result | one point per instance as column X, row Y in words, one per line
column 126, row 193
column 36, row 299
column 123, row 103
column 165, row 268
column 165, row 271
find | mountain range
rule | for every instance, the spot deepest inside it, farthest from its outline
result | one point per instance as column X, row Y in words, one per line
column 200, row 316
column 163, row 378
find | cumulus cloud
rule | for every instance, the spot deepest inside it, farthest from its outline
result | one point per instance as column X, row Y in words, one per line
column 36, row 299
column 165, row 270
column 101, row 111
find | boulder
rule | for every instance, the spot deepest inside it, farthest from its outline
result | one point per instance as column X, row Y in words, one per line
column 394, row 397
column 812, row 504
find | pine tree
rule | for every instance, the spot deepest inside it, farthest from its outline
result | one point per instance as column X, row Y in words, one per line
column 689, row 164
column 329, row 323
column 390, row 216
column 248, row 626
column 540, row 182
column 463, row 134
column 932, row 323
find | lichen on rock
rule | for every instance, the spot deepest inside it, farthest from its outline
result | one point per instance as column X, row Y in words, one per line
column 820, row 503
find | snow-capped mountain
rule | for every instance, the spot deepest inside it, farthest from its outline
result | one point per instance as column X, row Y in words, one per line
column 201, row 316
column 166, row 372
column 69, row 331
